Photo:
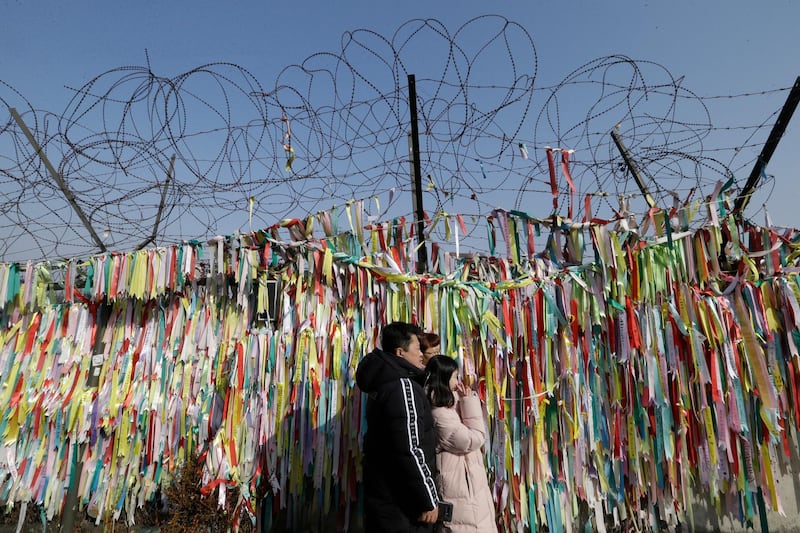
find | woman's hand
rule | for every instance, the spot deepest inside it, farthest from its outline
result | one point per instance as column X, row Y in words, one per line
column 461, row 389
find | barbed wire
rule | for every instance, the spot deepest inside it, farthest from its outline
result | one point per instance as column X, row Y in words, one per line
column 335, row 127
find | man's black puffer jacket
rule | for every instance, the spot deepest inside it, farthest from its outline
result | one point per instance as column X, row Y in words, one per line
column 399, row 446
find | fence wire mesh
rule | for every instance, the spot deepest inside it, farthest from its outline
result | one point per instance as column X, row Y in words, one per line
column 153, row 159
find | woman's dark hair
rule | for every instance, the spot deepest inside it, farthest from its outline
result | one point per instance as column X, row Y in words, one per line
column 439, row 370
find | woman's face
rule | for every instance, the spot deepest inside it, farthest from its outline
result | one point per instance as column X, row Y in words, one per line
column 429, row 353
column 454, row 380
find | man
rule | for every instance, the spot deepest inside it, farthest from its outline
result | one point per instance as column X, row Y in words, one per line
column 399, row 446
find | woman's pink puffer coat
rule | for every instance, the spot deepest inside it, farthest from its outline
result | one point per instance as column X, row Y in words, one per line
column 462, row 476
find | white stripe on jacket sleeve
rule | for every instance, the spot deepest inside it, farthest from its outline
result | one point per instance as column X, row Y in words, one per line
column 413, row 434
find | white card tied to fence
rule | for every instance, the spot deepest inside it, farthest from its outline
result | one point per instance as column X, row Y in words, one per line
column 97, row 364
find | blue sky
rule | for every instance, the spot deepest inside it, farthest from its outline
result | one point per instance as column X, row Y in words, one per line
column 718, row 47
column 717, row 44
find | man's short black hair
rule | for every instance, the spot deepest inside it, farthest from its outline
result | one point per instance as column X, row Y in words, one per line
column 398, row 335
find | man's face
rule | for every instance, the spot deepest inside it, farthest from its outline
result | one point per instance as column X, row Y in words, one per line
column 413, row 354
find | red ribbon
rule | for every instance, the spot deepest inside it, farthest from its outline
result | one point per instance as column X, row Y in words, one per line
column 568, row 177
column 551, row 165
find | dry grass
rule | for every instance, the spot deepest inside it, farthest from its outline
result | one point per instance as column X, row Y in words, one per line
column 188, row 511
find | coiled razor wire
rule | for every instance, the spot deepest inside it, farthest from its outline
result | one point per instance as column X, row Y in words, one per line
column 335, row 128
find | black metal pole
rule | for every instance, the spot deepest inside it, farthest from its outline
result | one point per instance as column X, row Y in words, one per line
column 416, row 178
column 769, row 148
column 58, row 179
column 632, row 168
column 71, row 501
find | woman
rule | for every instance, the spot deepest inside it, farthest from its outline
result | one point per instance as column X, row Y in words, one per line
column 430, row 344
column 460, row 434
